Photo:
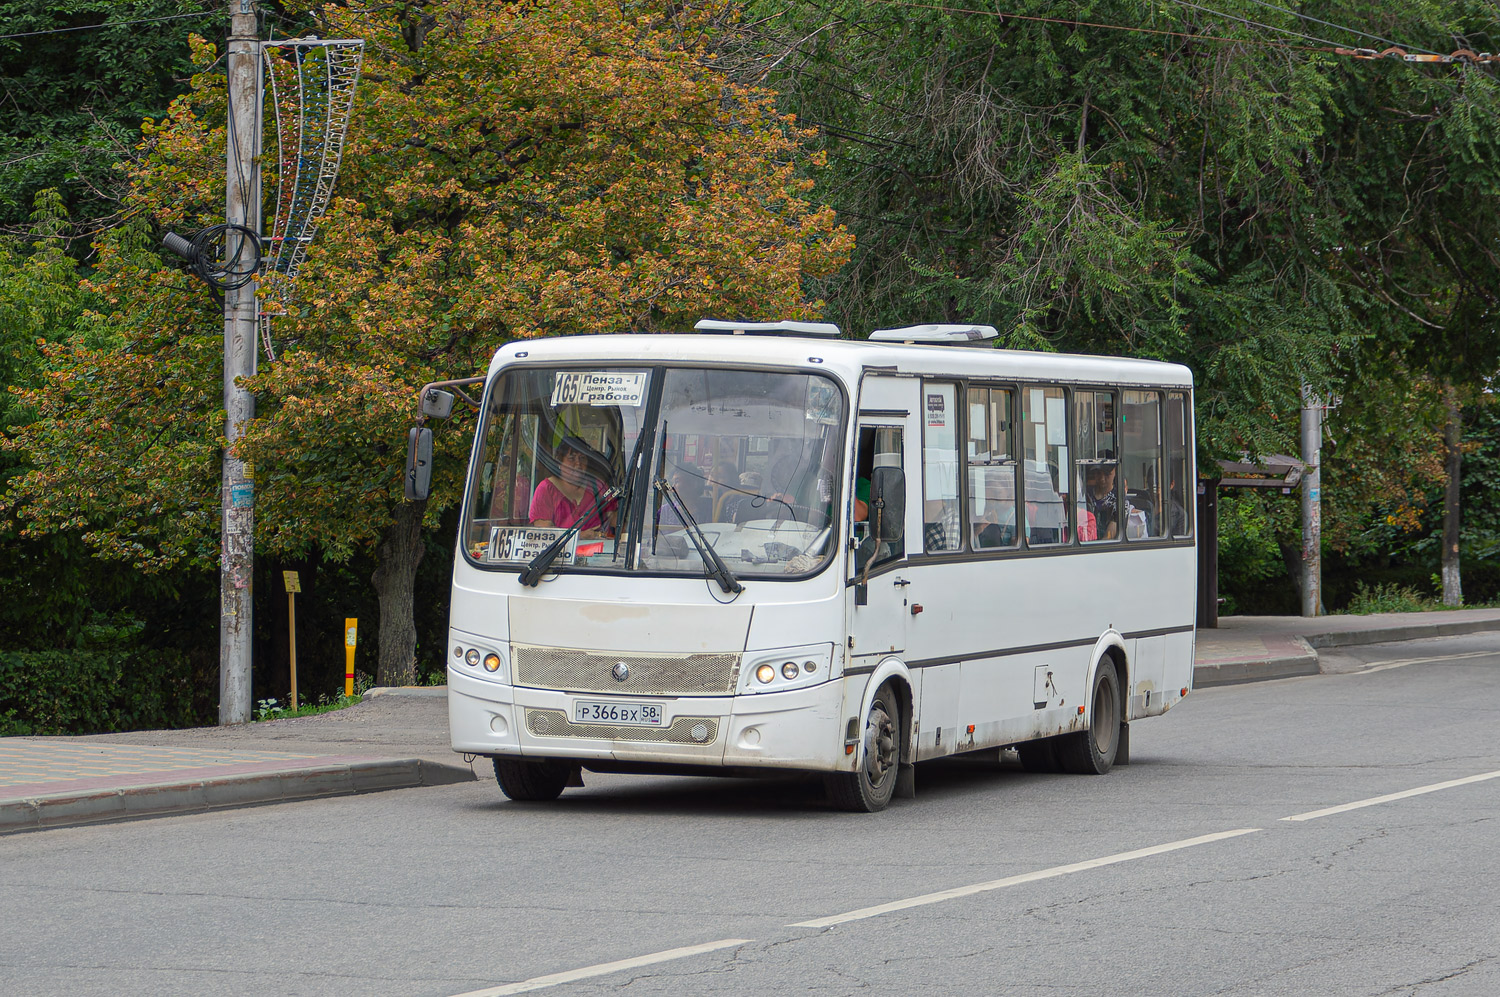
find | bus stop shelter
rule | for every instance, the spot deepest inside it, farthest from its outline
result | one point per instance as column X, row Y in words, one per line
column 1275, row 471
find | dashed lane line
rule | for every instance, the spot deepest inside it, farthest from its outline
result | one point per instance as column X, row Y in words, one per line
column 1026, row 877
column 1389, row 797
column 604, row 969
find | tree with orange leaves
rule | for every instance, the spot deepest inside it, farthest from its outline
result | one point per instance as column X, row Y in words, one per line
column 513, row 171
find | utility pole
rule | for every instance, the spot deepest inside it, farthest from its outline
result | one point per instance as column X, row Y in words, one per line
column 241, row 207
column 1312, row 522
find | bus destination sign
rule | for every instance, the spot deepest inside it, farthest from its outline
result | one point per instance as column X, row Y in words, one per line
column 522, row 543
column 599, row 388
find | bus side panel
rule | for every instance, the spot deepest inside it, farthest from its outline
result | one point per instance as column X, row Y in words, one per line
column 937, row 711
column 1147, row 677
column 1178, row 676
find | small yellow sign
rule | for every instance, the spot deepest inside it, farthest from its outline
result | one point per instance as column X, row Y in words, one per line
column 292, row 582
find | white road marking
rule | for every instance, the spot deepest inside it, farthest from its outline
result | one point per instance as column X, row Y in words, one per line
column 1372, row 801
column 604, row 968
column 1403, row 662
column 1026, row 877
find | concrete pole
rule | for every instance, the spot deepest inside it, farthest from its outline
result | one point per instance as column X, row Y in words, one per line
column 241, row 207
column 1312, row 521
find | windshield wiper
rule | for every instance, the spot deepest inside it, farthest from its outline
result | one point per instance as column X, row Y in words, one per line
column 538, row 567
column 632, row 467
column 713, row 564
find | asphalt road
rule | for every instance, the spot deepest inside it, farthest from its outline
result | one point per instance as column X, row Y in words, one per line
column 1179, row 874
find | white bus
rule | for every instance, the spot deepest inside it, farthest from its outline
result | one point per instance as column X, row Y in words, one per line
column 762, row 546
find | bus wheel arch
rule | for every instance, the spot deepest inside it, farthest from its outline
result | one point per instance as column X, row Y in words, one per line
column 882, row 754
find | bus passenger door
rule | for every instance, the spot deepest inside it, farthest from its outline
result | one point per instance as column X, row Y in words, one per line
column 878, row 603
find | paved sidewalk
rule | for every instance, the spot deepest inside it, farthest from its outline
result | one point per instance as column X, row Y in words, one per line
column 399, row 738
column 394, row 742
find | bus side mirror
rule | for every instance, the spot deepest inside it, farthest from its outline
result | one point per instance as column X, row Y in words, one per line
column 437, row 404
column 888, row 503
column 419, row 462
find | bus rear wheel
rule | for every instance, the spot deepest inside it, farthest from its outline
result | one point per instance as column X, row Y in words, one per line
column 532, row 781
column 1092, row 751
column 870, row 787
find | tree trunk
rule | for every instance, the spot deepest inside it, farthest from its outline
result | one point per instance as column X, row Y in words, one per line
column 395, row 580
column 1453, row 432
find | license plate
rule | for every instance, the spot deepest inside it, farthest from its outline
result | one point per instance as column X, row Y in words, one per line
column 629, row 714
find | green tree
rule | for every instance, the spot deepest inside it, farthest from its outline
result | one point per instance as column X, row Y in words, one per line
column 74, row 97
column 514, row 171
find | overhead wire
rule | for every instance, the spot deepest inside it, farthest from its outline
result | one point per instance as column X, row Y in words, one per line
column 1341, row 27
column 111, row 24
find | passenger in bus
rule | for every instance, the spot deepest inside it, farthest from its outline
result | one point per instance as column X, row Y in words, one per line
column 1101, row 502
column 562, row 498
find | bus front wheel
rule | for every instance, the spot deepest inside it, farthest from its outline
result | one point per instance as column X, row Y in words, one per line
column 1092, row 751
column 532, row 781
column 870, row 787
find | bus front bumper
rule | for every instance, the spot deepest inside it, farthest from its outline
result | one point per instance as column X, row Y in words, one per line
column 797, row 729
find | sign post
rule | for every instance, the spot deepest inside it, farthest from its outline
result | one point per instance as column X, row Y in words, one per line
column 351, row 634
column 293, row 586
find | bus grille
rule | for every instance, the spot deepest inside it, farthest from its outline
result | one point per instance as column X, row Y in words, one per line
column 555, row 723
column 648, row 674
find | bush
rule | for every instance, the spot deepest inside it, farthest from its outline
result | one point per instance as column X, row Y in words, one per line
column 1388, row 599
column 111, row 680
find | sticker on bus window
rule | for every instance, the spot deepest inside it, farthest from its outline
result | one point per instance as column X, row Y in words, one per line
column 599, row 388
column 523, row 543
column 822, row 402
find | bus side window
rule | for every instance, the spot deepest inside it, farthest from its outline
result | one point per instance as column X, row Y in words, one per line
column 1044, row 439
column 941, row 516
column 992, row 469
column 1179, row 517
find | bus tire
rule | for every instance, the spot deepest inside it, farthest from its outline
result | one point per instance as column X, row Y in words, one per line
column 1092, row 751
column 870, row 788
column 532, row 781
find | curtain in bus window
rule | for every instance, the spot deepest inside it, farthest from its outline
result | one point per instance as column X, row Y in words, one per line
column 991, row 457
column 1097, row 460
column 1044, row 441
column 1179, row 509
column 941, row 520
column 1141, row 465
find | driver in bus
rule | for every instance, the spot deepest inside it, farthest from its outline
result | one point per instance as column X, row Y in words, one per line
column 562, row 498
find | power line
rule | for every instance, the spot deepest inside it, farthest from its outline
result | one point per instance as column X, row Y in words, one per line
column 1256, row 24
column 110, row 24
column 1075, row 23
column 1341, row 27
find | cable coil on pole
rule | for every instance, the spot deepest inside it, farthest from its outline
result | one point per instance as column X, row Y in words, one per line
column 207, row 255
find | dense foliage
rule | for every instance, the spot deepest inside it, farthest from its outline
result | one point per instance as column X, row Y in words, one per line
column 1157, row 180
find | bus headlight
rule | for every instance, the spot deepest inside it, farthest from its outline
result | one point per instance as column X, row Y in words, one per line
column 492, row 662
column 472, row 658
column 785, row 668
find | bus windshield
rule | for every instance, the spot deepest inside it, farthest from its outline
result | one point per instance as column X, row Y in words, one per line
column 751, row 457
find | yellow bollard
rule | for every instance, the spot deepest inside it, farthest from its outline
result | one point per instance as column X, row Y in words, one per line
column 351, row 631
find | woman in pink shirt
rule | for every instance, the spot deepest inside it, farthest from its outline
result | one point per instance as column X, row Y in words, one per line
column 561, row 498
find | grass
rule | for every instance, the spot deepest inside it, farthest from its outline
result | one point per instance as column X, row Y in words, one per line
column 271, row 709
column 1390, row 598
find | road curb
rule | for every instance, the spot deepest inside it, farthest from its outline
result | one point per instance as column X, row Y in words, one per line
column 1241, row 672
column 1354, row 638
column 199, row 795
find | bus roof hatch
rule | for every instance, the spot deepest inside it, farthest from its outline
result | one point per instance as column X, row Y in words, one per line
column 940, row 335
column 822, row 329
